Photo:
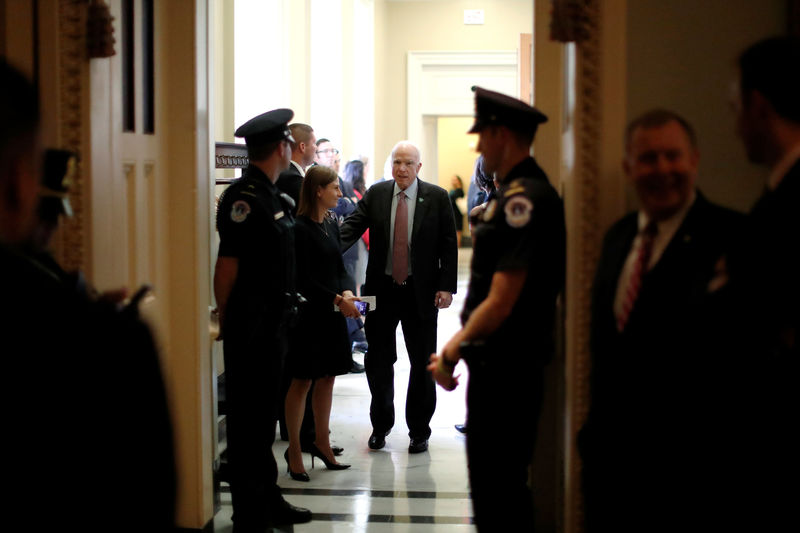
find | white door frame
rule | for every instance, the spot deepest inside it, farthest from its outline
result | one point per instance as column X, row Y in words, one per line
column 440, row 84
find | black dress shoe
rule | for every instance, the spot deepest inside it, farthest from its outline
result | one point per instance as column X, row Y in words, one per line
column 286, row 513
column 337, row 450
column 461, row 428
column 418, row 445
column 377, row 440
column 356, row 367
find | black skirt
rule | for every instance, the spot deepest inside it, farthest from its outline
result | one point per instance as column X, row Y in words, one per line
column 319, row 345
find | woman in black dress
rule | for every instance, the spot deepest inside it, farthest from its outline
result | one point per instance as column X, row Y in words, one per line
column 320, row 347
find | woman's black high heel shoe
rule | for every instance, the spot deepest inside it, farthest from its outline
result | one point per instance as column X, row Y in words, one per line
column 297, row 476
column 330, row 465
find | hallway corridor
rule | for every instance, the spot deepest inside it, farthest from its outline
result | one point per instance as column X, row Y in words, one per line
column 386, row 490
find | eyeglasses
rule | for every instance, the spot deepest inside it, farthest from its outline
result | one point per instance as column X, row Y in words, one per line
column 331, row 151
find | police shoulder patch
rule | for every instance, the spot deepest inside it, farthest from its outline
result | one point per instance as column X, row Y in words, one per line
column 518, row 211
column 240, row 210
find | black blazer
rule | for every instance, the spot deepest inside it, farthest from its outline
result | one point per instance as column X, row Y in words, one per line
column 646, row 428
column 434, row 253
column 634, row 373
column 290, row 182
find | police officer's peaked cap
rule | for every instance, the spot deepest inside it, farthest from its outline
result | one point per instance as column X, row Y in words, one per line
column 266, row 127
column 59, row 168
column 493, row 108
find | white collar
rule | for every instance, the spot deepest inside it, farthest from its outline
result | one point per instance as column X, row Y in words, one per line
column 298, row 167
column 669, row 225
column 411, row 190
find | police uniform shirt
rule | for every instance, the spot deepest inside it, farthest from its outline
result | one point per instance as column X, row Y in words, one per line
column 522, row 228
column 255, row 226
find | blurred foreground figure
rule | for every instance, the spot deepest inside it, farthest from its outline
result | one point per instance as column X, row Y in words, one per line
column 87, row 420
column 639, row 444
column 759, row 298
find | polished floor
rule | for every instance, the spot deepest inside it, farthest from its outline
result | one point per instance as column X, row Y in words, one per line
column 386, row 490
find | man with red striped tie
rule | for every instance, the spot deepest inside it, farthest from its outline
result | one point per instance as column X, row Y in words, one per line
column 654, row 269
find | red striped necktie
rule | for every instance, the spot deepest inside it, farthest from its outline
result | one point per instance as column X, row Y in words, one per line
column 648, row 236
column 400, row 248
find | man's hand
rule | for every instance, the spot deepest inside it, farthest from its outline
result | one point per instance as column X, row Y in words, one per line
column 442, row 366
column 443, row 375
column 443, row 299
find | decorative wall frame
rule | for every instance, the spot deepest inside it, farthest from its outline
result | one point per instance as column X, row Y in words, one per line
column 72, row 80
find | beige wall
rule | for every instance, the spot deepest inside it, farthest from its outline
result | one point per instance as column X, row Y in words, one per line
column 456, row 151
column 425, row 25
column 681, row 55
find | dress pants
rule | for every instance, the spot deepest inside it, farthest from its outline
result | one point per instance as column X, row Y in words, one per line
column 502, row 417
column 253, row 369
column 397, row 304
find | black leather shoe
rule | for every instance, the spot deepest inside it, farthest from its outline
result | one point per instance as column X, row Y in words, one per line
column 337, row 450
column 356, row 367
column 461, row 428
column 418, row 445
column 377, row 440
column 286, row 513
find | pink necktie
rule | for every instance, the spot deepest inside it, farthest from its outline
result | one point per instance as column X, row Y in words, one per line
column 400, row 249
column 639, row 268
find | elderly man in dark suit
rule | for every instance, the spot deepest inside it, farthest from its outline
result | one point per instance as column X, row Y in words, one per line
column 637, row 443
column 412, row 272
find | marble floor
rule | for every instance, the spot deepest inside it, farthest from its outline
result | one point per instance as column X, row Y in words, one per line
column 389, row 489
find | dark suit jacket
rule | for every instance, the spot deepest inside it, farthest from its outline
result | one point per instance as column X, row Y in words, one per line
column 657, row 335
column 758, row 393
column 434, row 255
column 645, row 384
column 290, row 182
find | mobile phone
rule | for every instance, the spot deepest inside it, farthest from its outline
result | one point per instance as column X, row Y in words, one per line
column 363, row 307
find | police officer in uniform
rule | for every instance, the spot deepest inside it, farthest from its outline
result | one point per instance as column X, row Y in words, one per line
column 516, row 275
column 254, row 284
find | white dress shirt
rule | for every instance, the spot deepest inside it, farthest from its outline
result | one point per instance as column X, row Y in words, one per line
column 666, row 230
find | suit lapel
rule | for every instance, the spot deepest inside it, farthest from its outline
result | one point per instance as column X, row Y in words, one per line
column 386, row 203
column 419, row 209
column 622, row 247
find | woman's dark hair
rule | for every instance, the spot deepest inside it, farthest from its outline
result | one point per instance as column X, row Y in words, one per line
column 354, row 175
column 460, row 181
column 483, row 180
column 316, row 177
